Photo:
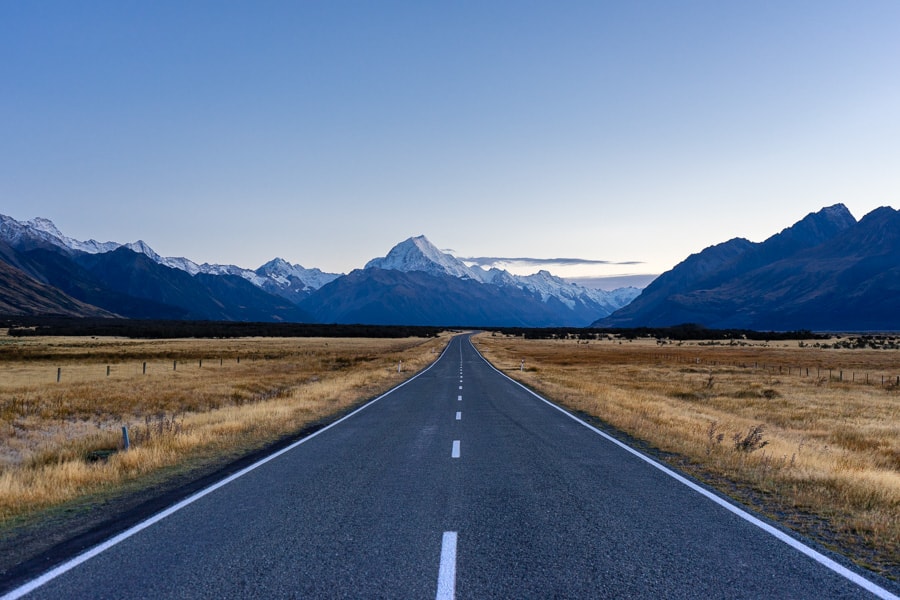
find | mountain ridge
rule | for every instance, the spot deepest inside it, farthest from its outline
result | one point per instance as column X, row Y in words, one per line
column 114, row 278
column 827, row 272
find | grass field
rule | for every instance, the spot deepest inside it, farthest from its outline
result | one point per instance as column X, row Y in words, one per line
column 64, row 402
column 810, row 436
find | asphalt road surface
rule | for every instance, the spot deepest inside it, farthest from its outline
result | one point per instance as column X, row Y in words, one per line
column 460, row 483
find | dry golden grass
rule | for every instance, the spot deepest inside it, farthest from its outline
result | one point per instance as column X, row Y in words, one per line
column 807, row 449
column 62, row 440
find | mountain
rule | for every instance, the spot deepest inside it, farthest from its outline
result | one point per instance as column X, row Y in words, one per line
column 418, row 254
column 21, row 294
column 292, row 282
column 827, row 272
column 42, row 232
column 415, row 283
column 572, row 304
column 130, row 280
column 392, row 297
column 278, row 277
column 200, row 296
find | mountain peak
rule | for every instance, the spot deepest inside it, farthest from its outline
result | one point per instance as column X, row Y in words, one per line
column 277, row 264
column 46, row 226
column 141, row 247
column 817, row 227
column 419, row 254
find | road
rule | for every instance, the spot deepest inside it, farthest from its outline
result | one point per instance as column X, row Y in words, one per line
column 460, row 483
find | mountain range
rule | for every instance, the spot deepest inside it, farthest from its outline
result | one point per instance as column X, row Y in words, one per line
column 43, row 271
column 827, row 272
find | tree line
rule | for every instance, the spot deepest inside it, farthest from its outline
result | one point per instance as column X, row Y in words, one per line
column 158, row 329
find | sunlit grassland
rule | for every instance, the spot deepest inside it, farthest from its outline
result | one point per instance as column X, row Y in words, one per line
column 811, row 436
column 64, row 401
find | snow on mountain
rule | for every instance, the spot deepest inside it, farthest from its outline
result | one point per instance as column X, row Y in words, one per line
column 191, row 267
column 16, row 232
column 284, row 273
column 44, row 230
column 571, row 294
column 418, row 254
column 295, row 282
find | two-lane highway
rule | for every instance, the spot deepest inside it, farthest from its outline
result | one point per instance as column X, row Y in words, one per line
column 460, row 483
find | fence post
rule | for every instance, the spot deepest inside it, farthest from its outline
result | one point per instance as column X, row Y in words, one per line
column 125, row 440
column 107, row 370
column 174, row 365
column 58, row 374
column 145, row 368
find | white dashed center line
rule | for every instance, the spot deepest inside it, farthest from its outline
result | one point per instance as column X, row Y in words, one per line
column 458, row 415
column 446, row 588
column 455, row 453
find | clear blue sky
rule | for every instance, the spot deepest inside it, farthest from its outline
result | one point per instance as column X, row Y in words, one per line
column 326, row 132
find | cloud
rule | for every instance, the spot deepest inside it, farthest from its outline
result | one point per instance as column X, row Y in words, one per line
column 614, row 281
column 489, row 261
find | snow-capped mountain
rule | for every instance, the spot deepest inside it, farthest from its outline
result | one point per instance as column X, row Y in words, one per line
column 40, row 230
column 281, row 271
column 415, row 283
column 550, row 286
column 293, row 282
column 276, row 276
column 417, row 254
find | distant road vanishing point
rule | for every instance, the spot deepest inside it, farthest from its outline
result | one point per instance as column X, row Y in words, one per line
column 459, row 483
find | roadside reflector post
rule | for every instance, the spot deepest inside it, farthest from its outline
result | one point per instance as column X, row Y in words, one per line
column 125, row 441
column 145, row 368
column 174, row 365
column 58, row 374
column 522, row 365
column 107, row 370
column 400, row 366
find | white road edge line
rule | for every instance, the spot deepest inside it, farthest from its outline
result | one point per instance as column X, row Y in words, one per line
column 446, row 587
column 777, row 533
column 455, row 452
column 67, row 566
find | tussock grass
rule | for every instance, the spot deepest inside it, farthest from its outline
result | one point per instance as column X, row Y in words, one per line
column 808, row 448
column 62, row 440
